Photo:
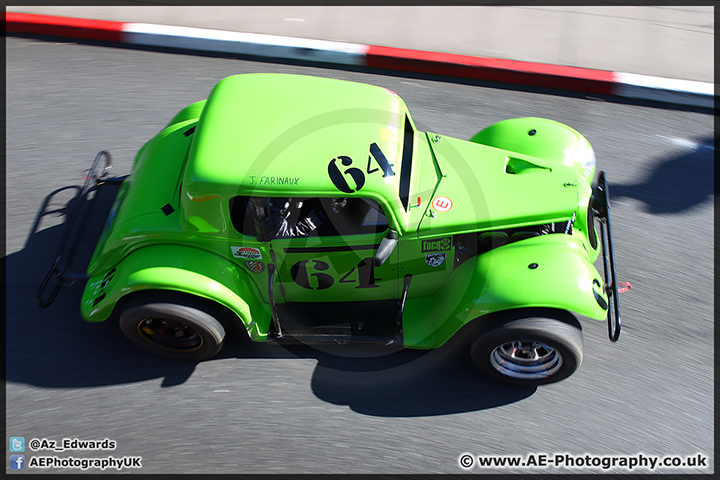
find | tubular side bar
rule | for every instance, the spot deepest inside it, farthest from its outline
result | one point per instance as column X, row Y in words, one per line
column 601, row 205
column 60, row 273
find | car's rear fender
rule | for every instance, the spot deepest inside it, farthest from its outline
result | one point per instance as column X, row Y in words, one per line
column 191, row 112
column 549, row 271
column 182, row 269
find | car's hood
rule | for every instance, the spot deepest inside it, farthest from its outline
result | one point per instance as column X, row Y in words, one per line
column 484, row 187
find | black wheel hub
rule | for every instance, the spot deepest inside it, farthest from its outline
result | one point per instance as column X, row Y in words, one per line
column 170, row 334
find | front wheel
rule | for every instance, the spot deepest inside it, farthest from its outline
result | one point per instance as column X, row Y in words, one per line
column 530, row 351
column 176, row 327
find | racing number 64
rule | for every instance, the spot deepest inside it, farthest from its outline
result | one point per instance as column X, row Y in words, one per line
column 365, row 274
column 339, row 177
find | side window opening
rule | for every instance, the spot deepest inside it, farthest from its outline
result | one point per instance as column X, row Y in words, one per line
column 405, row 170
column 287, row 217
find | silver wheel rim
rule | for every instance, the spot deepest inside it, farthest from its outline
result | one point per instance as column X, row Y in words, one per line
column 526, row 359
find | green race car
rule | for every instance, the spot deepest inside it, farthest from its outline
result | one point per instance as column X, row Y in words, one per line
column 313, row 210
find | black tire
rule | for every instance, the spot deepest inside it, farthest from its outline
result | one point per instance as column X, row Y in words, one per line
column 529, row 350
column 172, row 326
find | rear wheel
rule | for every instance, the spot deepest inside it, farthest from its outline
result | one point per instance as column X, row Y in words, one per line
column 174, row 327
column 530, row 350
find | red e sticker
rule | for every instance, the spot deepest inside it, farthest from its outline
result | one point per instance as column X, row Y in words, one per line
column 442, row 204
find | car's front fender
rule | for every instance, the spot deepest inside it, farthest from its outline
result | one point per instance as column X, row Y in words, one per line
column 549, row 271
column 182, row 269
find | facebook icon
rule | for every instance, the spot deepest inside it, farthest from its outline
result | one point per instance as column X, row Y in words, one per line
column 17, row 462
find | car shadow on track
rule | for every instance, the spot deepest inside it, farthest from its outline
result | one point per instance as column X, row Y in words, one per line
column 678, row 183
column 388, row 381
column 55, row 348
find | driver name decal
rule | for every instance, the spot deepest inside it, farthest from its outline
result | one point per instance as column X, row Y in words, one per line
column 272, row 180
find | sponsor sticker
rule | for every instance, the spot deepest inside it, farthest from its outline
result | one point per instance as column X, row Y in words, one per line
column 255, row 267
column 246, row 252
column 437, row 245
column 435, row 259
column 442, row 204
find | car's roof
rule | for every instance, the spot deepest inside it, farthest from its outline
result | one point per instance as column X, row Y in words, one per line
column 274, row 134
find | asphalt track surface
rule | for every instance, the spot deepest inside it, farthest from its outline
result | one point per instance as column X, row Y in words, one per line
column 269, row 409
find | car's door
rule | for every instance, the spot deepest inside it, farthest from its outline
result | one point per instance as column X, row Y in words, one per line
column 321, row 274
column 324, row 250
